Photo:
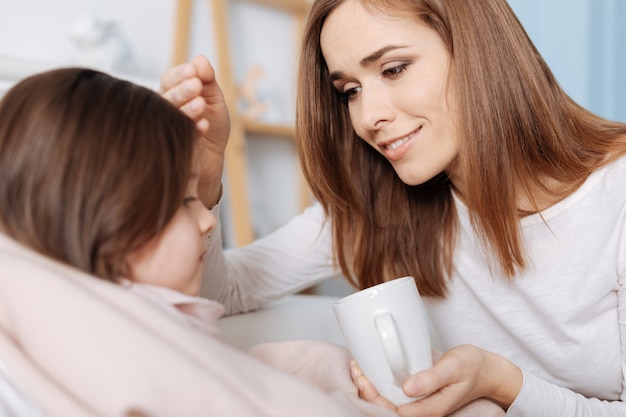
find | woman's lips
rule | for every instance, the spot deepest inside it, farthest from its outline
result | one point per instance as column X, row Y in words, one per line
column 397, row 149
column 397, row 144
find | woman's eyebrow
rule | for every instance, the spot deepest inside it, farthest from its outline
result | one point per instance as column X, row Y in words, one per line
column 368, row 60
column 337, row 75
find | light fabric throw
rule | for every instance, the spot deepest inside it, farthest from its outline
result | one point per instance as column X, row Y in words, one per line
column 326, row 365
column 77, row 346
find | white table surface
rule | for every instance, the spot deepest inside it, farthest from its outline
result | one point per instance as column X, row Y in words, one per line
column 296, row 317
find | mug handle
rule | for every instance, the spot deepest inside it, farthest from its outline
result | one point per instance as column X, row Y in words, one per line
column 390, row 339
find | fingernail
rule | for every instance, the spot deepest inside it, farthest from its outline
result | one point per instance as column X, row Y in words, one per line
column 353, row 370
column 360, row 381
column 411, row 387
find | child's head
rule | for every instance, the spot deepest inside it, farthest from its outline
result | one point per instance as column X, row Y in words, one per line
column 94, row 169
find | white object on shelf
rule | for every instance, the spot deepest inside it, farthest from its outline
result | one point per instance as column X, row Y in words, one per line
column 100, row 44
column 13, row 69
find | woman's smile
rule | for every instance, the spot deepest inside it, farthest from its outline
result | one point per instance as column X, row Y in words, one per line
column 396, row 149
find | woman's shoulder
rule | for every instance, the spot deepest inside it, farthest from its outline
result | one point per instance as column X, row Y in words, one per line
column 604, row 188
column 607, row 184
column 613, row 172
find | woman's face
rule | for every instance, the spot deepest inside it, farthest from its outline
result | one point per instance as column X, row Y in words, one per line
column 393, row 72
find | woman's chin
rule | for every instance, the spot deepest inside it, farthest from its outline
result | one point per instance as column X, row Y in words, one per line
column 411, row 178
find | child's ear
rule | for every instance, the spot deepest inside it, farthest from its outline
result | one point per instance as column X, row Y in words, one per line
column 124, row 271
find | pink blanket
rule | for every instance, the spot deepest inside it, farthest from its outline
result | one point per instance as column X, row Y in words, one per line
column 79, row 347
column 326, row 365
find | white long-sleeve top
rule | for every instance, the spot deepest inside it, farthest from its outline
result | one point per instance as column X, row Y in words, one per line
column 293, row 258
column 562, row 320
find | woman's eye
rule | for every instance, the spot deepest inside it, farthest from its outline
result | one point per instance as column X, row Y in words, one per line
column 189, row 199
column 350, row 94
column 395, row 72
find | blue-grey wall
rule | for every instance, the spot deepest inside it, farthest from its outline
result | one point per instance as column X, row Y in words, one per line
column 584, row 42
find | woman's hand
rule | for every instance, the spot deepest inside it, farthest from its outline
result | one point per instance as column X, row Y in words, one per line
column 366, row 389
column 192, row 87
column 463, row 374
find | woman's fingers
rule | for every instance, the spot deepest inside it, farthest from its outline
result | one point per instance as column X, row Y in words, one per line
column 445, row 372
column 175, row 75
column 367, row 391
column 182, row 93
column 463, row 374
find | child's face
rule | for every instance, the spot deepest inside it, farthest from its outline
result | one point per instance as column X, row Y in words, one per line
column 174, row 258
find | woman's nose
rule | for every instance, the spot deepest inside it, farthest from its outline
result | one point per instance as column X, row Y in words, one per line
column 375, row 109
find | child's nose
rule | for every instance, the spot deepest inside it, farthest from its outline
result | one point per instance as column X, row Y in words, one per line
column 206, row 220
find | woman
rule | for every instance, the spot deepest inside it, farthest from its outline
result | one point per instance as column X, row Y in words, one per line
column 447, row 150
column 530, row 145
column 440, row 145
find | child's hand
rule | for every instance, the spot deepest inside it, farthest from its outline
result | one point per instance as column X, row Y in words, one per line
column 192, row 87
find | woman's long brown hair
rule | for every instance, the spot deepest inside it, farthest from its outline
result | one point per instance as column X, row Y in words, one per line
column 91, row 167
column 518, row 130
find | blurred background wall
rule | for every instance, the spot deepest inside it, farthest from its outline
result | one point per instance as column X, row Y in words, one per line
column 584, row 42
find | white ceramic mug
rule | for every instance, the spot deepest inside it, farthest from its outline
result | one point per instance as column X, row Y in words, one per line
column 386, row 331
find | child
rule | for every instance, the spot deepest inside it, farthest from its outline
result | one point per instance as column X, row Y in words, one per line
column 115, row 192
column 99, row 195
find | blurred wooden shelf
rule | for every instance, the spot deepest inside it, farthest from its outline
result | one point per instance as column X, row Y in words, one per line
column 235, row 166
column 282, row 130
column 293, row 6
